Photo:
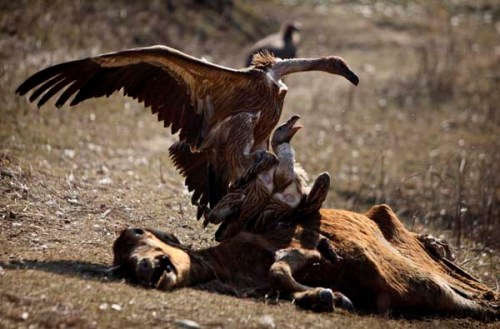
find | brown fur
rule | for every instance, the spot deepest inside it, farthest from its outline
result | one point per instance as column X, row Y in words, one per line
column 372, row 259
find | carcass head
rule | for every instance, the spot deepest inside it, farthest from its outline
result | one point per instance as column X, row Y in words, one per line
column 151, row 258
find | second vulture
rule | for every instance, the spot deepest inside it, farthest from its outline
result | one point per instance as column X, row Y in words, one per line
column 223, row 115
column 282, row 44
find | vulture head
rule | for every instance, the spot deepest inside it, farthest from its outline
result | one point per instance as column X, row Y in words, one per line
column 291, row 27
column 337, row 65
column 285, row 132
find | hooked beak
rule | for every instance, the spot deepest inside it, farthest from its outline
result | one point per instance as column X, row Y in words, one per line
column 293, row 126
column 352, row 77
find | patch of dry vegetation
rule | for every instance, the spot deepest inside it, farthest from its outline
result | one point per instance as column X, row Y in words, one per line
column 420, row 133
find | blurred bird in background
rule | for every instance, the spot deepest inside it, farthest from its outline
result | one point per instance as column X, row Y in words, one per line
column 282, row 44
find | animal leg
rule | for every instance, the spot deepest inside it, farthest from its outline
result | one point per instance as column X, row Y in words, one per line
column 322, row 300
column 327, row 251
column 290, row 261
column 437, row 247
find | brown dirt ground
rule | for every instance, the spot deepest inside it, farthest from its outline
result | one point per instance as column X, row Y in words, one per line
column 71, row 179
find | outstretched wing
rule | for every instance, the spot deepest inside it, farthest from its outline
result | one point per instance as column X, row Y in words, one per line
column 186, row 93
column 193, row 166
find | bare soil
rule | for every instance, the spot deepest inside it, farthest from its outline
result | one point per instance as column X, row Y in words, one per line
column 72, row 178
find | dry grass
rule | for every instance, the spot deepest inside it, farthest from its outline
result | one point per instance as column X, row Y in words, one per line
column 420, row 133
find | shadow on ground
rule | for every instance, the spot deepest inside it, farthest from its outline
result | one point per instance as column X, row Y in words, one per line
column 74, row 268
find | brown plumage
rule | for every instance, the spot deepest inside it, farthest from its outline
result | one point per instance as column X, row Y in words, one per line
column 271, row 196
column 293, row 199
column 246, row 198
column 243, row 207
column 193, row 97
column 282, row 44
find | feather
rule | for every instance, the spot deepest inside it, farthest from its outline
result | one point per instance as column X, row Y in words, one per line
column 223, row 115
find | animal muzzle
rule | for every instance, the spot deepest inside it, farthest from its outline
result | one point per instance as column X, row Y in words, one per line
column 156, row 273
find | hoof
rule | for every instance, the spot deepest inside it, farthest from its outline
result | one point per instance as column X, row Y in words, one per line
column 317, row 300
column 341, row 301
column 326, row 296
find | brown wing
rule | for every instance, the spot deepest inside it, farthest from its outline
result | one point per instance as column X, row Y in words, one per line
column 210, row 178
column 193, row 166
column 185, row 92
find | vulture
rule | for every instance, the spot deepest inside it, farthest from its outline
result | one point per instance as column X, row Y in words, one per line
column 223, row 115
column 247, row 197
column 244, row 206
column 289, row 178
column 282, row 44
column 288, row 183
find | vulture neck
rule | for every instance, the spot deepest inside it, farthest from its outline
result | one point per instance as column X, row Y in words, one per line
column 288, row 36
column 288, row 66
column 284, row 173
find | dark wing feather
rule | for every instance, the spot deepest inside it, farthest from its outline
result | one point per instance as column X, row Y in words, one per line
column 194, row 167
column 168, row 81
column 218, row 181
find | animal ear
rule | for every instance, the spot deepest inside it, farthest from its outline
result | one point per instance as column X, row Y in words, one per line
column 168, row 238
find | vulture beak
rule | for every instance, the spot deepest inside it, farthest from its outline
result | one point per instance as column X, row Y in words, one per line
column 285, row 132
column 339, row 66
column 293, row 127
column 352, row 77
column 297, row 26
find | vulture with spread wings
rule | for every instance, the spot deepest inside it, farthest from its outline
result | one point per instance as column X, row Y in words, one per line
column 223, row 115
